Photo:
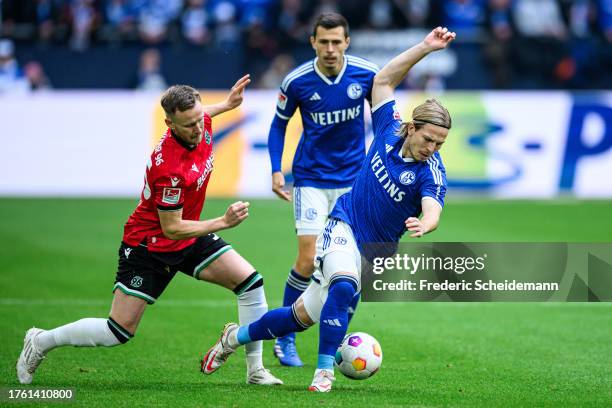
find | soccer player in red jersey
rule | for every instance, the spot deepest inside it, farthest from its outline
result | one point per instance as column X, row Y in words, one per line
column 165, row 235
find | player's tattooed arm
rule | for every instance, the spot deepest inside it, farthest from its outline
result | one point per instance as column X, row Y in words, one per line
column 394, row 72
column 233, row 100
column 175, row 227
column 429, row 220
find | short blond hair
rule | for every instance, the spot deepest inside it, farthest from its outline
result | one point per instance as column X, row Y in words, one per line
column 179, row 97
column 431, row 111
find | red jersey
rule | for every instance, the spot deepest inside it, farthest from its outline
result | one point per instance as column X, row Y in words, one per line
column 176, row 177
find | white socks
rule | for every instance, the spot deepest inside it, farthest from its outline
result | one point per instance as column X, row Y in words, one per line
column 89, row 332
column 251, row 306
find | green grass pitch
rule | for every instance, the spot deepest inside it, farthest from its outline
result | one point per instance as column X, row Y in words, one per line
column 58, row 259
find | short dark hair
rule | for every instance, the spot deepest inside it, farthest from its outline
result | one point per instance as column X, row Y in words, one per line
column 181, row 97
column 329, row 21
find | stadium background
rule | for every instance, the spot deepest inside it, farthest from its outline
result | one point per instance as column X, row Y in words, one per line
column 529, row 159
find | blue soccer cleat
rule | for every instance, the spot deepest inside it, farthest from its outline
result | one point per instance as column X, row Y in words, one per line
column 284, row 350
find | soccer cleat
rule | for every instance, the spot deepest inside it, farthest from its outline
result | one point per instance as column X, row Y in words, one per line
column 322, row 381
column 218, row 354
column 284, row 350
column 30, row 358
column 263, row 376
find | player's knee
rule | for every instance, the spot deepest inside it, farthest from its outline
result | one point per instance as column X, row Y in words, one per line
column 305, row 262
column 305, row 266
column 301, row 314
column 342, row 290
column 121, row 332
column 300, row 317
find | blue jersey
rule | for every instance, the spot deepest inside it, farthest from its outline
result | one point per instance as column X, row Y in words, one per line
column 332, row 147
column 389, row 188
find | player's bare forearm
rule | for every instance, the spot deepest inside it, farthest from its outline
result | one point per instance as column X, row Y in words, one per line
column 233, row 100
column 175, row 227
column 185, row 229
column 216, row 109
column 428, row 222
column 394, row 72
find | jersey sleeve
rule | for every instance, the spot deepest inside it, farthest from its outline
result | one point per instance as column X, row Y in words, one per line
column 276, row 142
column 169, row 193
column 168, row 188
column 286, row 103
column 386, row 119
column 369, row 85
column 434, row 185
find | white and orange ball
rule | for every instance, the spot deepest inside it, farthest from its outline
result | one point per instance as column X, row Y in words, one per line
column 359, row 356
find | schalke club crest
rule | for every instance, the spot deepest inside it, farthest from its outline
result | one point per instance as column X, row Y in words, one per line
column 354, row 90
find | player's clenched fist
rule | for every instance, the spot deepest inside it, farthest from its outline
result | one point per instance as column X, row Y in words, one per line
column 236, row 213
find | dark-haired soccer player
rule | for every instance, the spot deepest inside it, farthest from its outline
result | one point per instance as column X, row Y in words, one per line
column 402, row 177
column 330, row 91
column 165, row 235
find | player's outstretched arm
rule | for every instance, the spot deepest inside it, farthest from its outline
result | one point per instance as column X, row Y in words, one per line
column 392, row 74
column 233, row 100
column 428, row 222
column 175, row 227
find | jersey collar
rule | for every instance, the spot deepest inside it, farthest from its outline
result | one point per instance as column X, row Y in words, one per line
column 182, row 143
column 326, row 79
column 405, row 159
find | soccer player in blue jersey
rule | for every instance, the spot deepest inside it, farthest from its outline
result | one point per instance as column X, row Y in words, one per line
column 330, row 91
column 401, row 179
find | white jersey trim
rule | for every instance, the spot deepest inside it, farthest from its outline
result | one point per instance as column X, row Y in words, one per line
column 433, row 199
column 405, row 159
column 362, row 63
column 379, row 104
column 325, row 78
column 434, row 167
column 282, row 116
column 296, row 73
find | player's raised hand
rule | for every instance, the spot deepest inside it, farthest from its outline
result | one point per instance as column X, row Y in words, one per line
column 278, row 183
column 236, row 213
column 236, row 95
column 414, row 224
column 439, row 38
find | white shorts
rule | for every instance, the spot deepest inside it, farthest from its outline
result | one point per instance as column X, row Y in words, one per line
column 311, row 207
column 337, row 255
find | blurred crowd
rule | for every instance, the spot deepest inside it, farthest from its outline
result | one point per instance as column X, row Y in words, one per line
column 561, row 42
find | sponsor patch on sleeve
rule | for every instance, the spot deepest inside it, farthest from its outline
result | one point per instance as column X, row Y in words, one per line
column 282, row 101
column 396, row 114
column 171, row 195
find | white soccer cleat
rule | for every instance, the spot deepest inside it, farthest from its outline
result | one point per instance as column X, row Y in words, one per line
column 263, row 376
column 30, row 358
column 218, row 354
column 322, row 381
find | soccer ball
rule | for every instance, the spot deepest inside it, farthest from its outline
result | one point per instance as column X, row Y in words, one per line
column 359, row 356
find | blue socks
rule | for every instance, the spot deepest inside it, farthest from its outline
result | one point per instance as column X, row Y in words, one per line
column 334, row 320
column 275, row 323
column 353, row 306
column 296, row 285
